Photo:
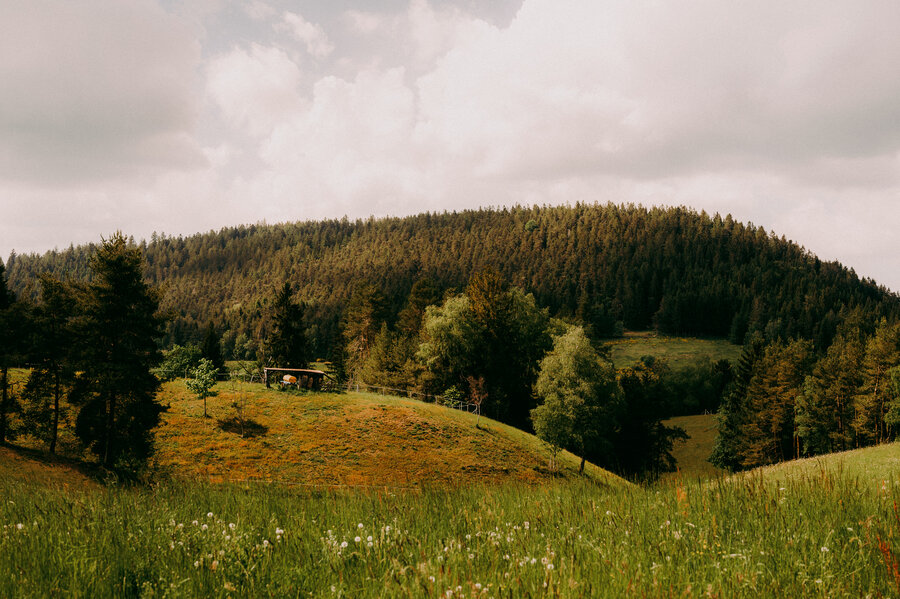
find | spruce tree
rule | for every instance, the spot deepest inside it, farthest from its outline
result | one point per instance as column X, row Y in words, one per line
column 287, row 341
column 212, row 348
column 53, row 356
column 118, row 329
column 733, row 412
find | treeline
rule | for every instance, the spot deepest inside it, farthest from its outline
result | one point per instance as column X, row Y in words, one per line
column 680, row 271
column 91, row 348
column 787, row 401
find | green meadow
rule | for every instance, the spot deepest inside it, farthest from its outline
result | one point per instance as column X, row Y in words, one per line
column 820, row 528
column 678, row 351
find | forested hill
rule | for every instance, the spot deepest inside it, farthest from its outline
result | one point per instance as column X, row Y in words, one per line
column 684, row 272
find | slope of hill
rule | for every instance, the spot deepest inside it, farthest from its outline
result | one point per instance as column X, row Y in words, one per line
column 352, row 439
column 684, row 272
column 878, row 465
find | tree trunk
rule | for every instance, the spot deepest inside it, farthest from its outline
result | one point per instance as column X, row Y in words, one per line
column 581, row 468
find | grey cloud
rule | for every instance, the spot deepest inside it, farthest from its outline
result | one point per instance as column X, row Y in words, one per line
column 94, row 90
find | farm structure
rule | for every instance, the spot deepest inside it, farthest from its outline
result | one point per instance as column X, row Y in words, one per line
column 303, row 378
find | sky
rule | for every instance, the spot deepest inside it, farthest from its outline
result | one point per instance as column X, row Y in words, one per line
column 181, row 116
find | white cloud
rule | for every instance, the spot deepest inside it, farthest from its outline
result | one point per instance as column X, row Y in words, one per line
column 255, row 88
column 311, row 34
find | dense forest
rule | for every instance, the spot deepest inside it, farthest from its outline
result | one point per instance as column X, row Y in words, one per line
column 609, row 266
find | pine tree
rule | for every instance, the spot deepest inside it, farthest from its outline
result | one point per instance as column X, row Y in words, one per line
column 875, row 394
column 15, row 327
column 116, row 389
column 733, row 412
column 825, row 408
column 211, row 349
column 287, row 341
column 53, row 355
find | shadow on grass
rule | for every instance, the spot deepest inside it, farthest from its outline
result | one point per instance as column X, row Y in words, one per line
column 90, row 470
column 249, row 428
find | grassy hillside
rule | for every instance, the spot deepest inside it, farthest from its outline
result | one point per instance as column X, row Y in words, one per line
column 878, row 466
column 691, row 455
column 346, row 439
column 678, row 351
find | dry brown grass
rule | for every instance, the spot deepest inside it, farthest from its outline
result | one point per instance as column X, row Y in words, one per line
column 348, row 439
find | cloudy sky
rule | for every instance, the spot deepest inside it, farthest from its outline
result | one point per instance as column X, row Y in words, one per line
column 181, row 116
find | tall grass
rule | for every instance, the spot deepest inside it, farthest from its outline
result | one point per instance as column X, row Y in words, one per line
column 825, row 534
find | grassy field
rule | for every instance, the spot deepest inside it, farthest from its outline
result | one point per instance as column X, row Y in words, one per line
column 691, row 455
column 348, row 439
column 677, row 350
column 828, row 528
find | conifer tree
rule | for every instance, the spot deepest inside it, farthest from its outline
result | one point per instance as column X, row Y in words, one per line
column 53, row 355
column 287, row 341
column 875, row 394
column 825, row 408
column 14, row 329
column 118, row 329
column 733, row 412
column 211, row 349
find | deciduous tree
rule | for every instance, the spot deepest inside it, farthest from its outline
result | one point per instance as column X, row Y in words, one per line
column 579, row 397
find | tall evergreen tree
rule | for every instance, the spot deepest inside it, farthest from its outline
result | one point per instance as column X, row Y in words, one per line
column 875, row 394
column 53, row 355
column 769, row 434
column 287, row 341
column 118, row 329
column 734, row 412
column 14, row 329
column 825, row 408
column 642, row 444
column 361, row 323
column 211, row 349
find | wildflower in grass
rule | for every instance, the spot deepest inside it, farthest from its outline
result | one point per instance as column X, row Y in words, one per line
column 194, row 522
column 204, row 527
column 209, row 514
column 231, row 525
column 265, row 543
column 20, row 526
column 360, row 526
column 357, row 539
column 343, row 544
column 197, row 564
column 279, row 531
column 824, row 549
column 214, row 565
column 549, row 566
